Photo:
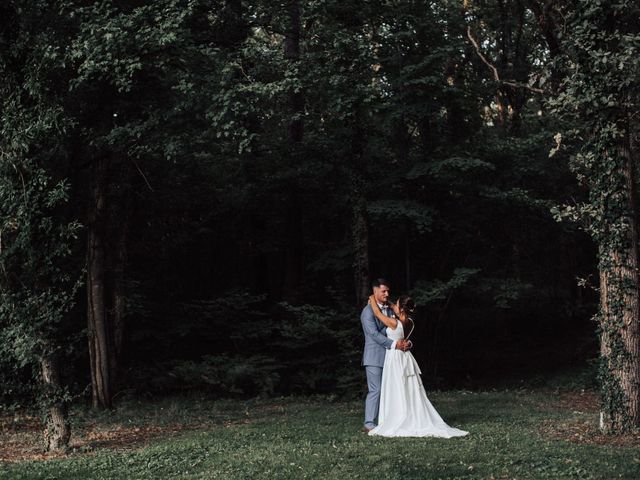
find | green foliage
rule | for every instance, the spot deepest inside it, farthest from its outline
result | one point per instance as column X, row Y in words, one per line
column 333, row 335
column 418, row 215
column 398, row 121
column 307, row 348
column 427, row 292
column 231, row 375
column 505, row 291
column 117, row 45
column 38, row 275
column 449, row 166
column 190, row 103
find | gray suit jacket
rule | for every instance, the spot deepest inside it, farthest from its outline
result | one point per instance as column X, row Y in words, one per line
column 375, row 339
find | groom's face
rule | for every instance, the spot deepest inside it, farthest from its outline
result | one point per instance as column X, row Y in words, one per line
column 381, row 294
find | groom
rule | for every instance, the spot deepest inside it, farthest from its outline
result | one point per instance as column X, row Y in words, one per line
column 375, row 345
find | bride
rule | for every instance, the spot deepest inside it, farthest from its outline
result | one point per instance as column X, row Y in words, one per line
column 405, row 410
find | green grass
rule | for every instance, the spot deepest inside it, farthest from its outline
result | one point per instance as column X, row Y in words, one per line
column 295, row 438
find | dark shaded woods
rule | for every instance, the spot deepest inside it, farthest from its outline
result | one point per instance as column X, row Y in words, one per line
column 240, row 171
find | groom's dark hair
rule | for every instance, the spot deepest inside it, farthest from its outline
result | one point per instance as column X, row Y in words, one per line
column 380, row 281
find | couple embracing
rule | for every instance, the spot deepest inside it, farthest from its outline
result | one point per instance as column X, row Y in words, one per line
column 396, row 404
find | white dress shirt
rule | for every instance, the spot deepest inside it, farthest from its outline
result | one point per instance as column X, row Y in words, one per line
column 385, row 311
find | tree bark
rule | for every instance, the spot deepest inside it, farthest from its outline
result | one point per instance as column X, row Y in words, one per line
column 97, row 321
column 623, row 275
column 58, row 431
column 295, row 132
column 292, row 53
column 360, row 235
column 117, row 258
column 630, row 374
column 118, row 299
column 293, row 257
column 407, row 256
column 119, row 304
column 543, row 11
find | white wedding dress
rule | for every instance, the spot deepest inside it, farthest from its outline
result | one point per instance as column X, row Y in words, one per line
column 405, row 410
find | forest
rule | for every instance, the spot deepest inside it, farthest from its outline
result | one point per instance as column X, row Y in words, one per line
column 195, row 196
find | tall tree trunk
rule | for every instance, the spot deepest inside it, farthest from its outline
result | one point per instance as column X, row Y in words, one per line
column 58, row 431
column 360, row 234
column 117, row 257
column 621, row 319
column 293, row 258
column 407, row 255
column 97, row 321
column 295, row 131
column 118, row 300
column 360, row 218
column 402, row 145
column 292, row 53
column 546, row 19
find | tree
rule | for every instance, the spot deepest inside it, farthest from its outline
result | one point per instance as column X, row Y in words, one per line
column 600, row 95
column 38, row 280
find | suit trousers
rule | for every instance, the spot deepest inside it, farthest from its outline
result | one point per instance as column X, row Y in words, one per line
column 372, row 403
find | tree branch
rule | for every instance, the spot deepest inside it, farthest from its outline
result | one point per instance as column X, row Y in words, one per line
column 142, row 174
column 496, row 76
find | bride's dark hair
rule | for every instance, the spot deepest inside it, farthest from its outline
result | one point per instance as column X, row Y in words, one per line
column 406, row 303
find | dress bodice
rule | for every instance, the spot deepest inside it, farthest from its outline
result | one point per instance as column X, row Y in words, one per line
column 398, row 333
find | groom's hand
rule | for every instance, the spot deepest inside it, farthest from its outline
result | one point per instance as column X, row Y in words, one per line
column 402, row 345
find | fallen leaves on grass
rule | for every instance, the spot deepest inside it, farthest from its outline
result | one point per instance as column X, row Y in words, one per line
column 22, row 440
column 586, row 401
column 585, row 430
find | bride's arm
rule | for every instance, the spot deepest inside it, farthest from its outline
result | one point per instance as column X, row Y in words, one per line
column 392, row 323
column 399, row 313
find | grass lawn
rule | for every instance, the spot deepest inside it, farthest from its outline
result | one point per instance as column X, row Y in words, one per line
column 514, row 435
